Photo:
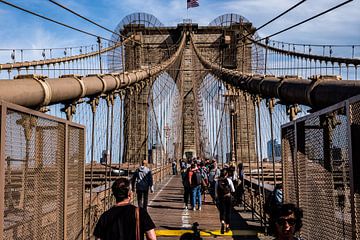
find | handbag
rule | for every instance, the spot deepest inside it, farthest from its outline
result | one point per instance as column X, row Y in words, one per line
column 137, row 218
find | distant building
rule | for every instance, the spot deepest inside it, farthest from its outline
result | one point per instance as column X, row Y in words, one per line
column 277, row 150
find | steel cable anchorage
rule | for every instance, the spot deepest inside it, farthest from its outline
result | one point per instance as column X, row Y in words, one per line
column 317, row 92
column 66, row 88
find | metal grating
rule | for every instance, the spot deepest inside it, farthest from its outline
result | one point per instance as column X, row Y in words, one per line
column 290, row 177
column 34, row 151
column 323, row 171
column 355, row 132
column 36, row 203
column 75, row 183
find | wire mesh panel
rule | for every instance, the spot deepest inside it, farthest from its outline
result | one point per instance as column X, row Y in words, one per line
column 290, row 175
column 33, row 157
column 75, row 183
column 323, row 171
column 34, row 177
column 355, row 133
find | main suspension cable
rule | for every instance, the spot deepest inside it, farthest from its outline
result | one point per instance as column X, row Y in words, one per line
column 89, row 20
column 277, row 17
column 54, row 21
column 304, row 21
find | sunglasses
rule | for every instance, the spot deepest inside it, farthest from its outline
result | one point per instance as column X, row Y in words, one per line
column 290, row 221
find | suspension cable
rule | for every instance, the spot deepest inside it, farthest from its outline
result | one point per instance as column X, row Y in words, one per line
column 306, row 20
column 87, row 19
column 277, row 17
column 54, row 21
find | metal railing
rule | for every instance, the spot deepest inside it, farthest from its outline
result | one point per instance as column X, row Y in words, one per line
column 42, row 175
column 321, row 170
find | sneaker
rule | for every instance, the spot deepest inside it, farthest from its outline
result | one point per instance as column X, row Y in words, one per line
column 227, row 229
column 194, row 209
column 199, row 209
column 222, row 228
column 186, row 208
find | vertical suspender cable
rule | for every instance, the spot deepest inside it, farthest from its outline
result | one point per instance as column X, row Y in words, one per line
column 258, row 102
column 249, row 153
column 93, row 103
column 99, row 49
column 111, row 140
column 107, row 150
column 120, row 131
column 257, row 133
column 271, row 105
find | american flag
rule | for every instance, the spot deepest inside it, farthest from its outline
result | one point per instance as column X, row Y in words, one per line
column 192, row 3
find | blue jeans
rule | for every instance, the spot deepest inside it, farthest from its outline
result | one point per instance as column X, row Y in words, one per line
column 196, row 196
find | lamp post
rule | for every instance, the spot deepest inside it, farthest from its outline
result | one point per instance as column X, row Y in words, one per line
column 167, row 135
column 232, row 128
column 230, row 97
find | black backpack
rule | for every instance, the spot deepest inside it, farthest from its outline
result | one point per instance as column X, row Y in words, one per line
column 196, row 178
column 223, row 187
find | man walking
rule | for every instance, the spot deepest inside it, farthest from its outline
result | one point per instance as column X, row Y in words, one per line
column 195, row 185
column 223, row 189
column 143, row 181
column 124, row 221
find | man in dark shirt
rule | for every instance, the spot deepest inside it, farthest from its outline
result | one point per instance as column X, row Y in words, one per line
column 119, row 222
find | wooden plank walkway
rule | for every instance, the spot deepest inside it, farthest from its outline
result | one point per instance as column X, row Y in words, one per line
column 166, row 208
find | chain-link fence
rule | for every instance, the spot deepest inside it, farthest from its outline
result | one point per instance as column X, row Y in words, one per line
column 321, row 170
column 42, row 161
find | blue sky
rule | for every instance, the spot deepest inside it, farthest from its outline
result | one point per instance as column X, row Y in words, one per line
column 22, row 30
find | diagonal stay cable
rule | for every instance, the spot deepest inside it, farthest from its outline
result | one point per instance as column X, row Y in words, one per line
column 52, row 20
column 218, row 130
column 89, row 20
column 277, row 17
column 306, row 20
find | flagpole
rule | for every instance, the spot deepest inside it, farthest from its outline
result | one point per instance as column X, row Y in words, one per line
column 187, row 11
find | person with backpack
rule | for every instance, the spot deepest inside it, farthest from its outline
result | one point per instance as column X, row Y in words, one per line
column 186, row 185
column 143, row 181
column 213, row 177
column 204, row 179
column 195, row 186
column 223, row 189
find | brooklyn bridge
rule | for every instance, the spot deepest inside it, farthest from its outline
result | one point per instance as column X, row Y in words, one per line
column 74, row 119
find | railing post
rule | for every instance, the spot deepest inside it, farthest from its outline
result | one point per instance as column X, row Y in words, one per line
column 2, row 167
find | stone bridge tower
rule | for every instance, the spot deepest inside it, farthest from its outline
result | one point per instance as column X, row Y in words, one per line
column 218, row 44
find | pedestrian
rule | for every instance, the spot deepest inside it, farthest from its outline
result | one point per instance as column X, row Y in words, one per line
column 186, row 186
column 288, row 221
column 174, row 167
column 273, row 203
column 124, row 221
column 223, row 189
column 194, row 177
column 214, row 174
column 143, row 182
column 204, row 179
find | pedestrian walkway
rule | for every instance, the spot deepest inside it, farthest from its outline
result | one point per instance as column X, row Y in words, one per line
column 166, row 208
